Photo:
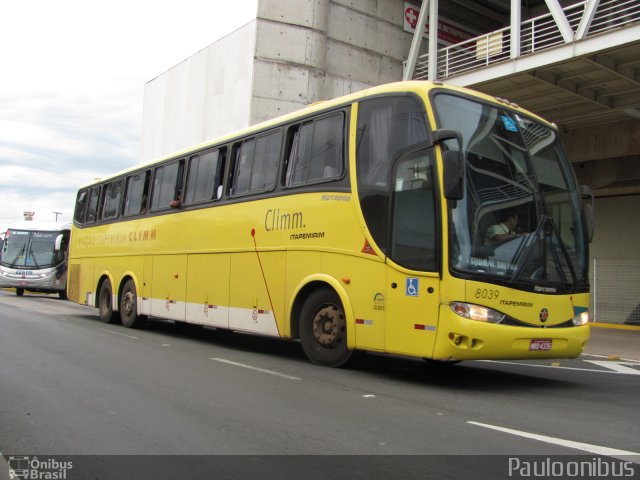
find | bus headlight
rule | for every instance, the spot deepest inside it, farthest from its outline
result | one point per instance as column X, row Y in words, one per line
column 476, row 312
column 581, row 319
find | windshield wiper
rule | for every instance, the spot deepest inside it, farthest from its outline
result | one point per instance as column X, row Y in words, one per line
column 525, row 248
column 33, row 258
column 565, row 253
column 523, row 253
column 18, row 255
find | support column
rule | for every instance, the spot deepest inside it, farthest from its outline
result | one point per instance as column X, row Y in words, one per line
column 433, row 40
column 516, row 22
column 587, row 18
column 410, row 65
column 561, row 20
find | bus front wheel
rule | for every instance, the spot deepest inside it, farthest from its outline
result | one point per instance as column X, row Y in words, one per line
column 129, row 306
column 323, row 330
column 105, row 303
column 19, row 292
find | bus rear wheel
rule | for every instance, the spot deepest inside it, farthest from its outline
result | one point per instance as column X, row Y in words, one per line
column 19, row 292
column 105, row 303
column 129, row 306
column 323, row 329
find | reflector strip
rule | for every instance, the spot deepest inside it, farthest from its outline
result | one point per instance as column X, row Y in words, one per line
column 419, row 326
column 361, row 321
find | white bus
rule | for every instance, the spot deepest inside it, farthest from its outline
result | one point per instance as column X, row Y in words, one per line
column 33, row 258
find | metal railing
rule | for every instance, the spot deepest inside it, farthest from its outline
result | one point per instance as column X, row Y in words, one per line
column 536, row 34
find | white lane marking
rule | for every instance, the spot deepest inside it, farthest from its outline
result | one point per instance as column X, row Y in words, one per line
column 550, row 366
column 587, row 447
column 257, row 369
column 118, row 333
column 616, row 366
column 631, row 360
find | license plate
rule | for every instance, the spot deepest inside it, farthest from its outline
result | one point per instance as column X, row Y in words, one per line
column 540, row 345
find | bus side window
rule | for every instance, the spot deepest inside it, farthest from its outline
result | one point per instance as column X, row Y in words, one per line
column 413, row 216
column 256, row 164
column 327, row 148
column 241, row 181
column 299, row 153
column 81, row 206
column 386, row 126
column 235, row 158
column 92, row 209
column 222, row 161
column 136, row 192
column 204, row 177
column 265, row 162
column 316, row 151
column 111, row 200
column 167, row 185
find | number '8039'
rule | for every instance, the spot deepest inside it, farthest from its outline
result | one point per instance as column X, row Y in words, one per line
column 487, row 293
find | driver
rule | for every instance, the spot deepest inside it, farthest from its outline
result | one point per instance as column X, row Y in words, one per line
column 504, row 230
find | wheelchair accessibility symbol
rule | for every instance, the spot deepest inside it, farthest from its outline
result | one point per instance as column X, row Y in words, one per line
column 412, row 287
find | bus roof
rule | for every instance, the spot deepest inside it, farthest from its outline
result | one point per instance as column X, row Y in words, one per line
column 417, row 86
column 39, row 226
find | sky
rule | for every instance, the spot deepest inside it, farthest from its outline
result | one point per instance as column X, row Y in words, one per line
column 72, row 76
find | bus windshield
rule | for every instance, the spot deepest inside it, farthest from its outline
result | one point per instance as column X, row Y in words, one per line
column 520, row 218
column 30, row 249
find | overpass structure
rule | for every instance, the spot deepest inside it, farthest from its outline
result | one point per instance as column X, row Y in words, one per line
column 574, row 62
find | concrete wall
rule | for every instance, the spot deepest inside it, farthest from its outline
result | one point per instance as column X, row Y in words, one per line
column 296, row 52
column 607, row 158
column 205, row 96
column 617, row 229
column 615, row 260
column 310, row 50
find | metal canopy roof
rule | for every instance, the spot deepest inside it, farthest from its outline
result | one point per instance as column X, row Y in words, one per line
column 592, row 80
column 581, row 92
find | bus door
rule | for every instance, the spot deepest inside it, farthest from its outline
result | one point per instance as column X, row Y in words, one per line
column 413, row 282
column 412, row 304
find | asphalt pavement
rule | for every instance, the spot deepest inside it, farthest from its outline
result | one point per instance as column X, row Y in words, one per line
column 614, row 343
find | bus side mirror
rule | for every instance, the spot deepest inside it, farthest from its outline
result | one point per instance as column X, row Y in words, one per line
column 58, row 243
column 588, row 203
column 453, row 175
column 453, row 164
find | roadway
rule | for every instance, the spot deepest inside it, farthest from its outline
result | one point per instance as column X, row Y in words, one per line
column 70, row 385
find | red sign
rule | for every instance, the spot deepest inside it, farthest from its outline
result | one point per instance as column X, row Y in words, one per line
column 449, row 33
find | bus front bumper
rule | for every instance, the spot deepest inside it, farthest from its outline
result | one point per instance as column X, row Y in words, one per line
column 45, row 280
column 459, row 338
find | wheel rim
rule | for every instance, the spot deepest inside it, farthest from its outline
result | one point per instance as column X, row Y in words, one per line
column 328, row 325
column 128, row 303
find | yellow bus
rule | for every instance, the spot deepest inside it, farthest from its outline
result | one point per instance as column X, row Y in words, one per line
column 357, row 224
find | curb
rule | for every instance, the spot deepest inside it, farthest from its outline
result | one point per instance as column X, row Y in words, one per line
column 615, row 326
